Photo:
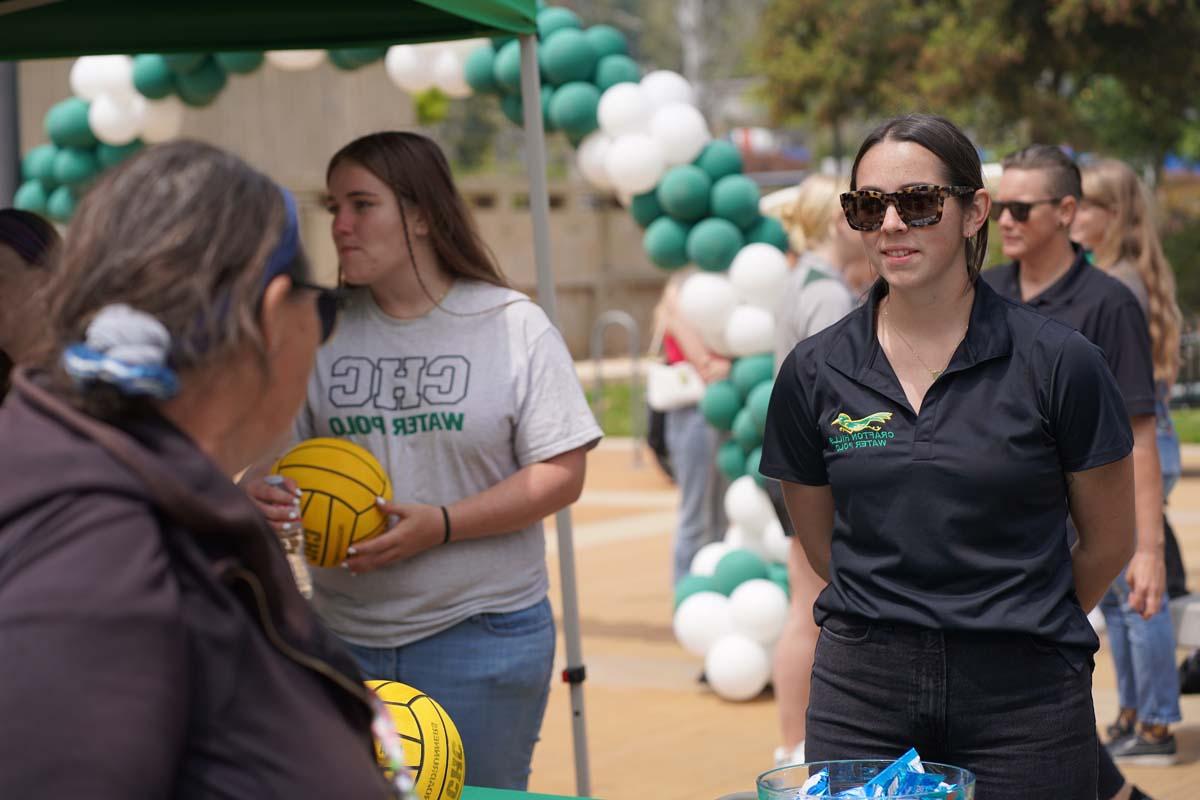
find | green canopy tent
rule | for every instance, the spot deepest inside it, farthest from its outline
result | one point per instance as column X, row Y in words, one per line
column 60, row 28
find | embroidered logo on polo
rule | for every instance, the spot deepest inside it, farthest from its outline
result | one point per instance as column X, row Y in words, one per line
column 866, row 432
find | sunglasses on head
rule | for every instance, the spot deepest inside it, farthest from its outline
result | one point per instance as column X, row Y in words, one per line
column 329, row 304
column 1018, row 208
column 918, row 206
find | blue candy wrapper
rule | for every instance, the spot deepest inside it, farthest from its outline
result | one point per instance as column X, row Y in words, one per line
column 904, row 777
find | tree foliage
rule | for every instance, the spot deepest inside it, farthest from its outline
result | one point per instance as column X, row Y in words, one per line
column 1114, row 73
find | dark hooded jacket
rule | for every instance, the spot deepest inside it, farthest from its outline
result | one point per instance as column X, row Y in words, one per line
column 152, row 640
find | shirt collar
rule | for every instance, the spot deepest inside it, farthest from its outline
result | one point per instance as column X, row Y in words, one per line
column 856, row 353
column 1060, row 293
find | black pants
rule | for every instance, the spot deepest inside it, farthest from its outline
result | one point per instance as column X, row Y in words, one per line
column 1013, row 709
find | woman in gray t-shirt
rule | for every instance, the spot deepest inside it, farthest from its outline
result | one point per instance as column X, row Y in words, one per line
column 465, row 392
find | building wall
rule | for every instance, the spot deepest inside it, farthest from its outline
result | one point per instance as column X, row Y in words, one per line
column 288, row 124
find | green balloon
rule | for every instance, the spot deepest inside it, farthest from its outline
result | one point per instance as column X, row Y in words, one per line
column 355, row 57
column 768, row 230
column 778, row 575
column 61, row 204
column 688, row 585
column 478, row 70
column 506, row 67
column 665, row 242
column 556, row 18
column 752, row 462
column 566, row 56
column 208, row 79
column 607, row 41
column 719, row 158
column 513, row 108
column 645, row 208
column 720, row 404
column 684, row 192
column 758, row 400
column 749, row 371
column 38, row 163
column 713, row 243
column 74, row 165
column 735, row 568
column 548, row 93
column 614, row 69
column 573, row 108
column 31, row 196
column 152, row 77
column 341, row 61
column 735, row 198
column 745, row 432
column 731, row 460
column 110, row 155
column 241, row 62
column 67, row 124
column 183, row 63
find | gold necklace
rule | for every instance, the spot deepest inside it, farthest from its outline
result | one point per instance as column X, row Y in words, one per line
column 934, row 373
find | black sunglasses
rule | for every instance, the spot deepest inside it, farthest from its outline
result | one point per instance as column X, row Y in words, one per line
column 329, row 305
column 918, row 206
column 1018, row 208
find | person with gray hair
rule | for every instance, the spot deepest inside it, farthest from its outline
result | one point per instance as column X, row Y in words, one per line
column 154, row 641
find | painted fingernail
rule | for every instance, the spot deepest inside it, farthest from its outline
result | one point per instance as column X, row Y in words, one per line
column 287, row 526
column 293, row 515
column 298, row 492
column 352, row 551
column 273, row 480
column 380, row 500
column 345, row 565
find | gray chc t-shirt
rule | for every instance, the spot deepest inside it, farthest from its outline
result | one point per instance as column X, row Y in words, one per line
column 450, row 405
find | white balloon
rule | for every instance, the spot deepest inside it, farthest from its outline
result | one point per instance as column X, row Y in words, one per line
column 590, row 159
column 748, row 506
column 777, row 543
column 738, row 538
column 759, row 609
column 410, row 67
column 759, row 274
column 714, row 340
column 623, row 109
column 92, row 76
column 663, row 87
column 700, row 620
column 634, row 163
column 295, row 60
column 706, row 558
column 707, row 300
column 680, row 131
column 162, row 120
column 116, row 121
column 448, row 75
column 737, row 667
column 750, row 330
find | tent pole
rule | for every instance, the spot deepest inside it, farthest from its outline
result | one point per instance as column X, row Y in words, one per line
column 539, row 209
column 10, row 139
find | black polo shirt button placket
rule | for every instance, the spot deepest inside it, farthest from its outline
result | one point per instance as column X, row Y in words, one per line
column 953, row 518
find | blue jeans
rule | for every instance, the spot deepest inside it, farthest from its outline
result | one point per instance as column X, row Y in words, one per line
column 1015, row 710
column 1168, row 443
column 1143, row 652
column 492, row 675
column 692, row 443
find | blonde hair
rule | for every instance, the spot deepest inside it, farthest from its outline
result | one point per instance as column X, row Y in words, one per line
column 806, row 219
column 1133, row 237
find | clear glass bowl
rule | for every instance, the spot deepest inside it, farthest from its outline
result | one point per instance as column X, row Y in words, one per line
column 784, row 783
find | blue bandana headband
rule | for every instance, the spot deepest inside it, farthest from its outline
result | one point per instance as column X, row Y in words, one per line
column 130, row 349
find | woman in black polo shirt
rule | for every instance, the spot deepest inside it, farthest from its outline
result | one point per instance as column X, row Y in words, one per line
column 929, row 445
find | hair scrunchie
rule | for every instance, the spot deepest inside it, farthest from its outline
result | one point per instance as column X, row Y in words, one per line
column 127, row 349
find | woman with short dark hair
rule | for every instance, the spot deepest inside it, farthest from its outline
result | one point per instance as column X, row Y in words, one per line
column 929, row 446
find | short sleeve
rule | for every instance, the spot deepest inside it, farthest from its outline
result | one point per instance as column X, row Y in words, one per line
column 553, row 414
column 793, row 449
column 1124, row 337
column 1087, row 414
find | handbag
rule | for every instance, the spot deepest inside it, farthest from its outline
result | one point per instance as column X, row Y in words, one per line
column 672, row 386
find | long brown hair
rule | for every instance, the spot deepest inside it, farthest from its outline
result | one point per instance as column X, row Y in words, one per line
column 180, row 231
column 419, row 175
column 1133, row 237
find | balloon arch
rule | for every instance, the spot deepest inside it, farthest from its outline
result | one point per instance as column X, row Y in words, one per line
column 637, row 135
